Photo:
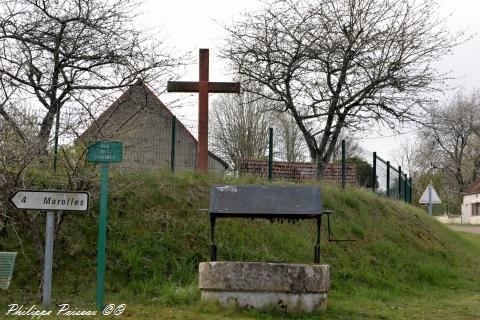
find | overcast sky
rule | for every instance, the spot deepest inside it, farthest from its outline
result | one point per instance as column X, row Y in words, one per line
column 189, row 25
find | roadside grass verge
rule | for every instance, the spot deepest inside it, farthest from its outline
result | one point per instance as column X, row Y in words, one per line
column 402, row 264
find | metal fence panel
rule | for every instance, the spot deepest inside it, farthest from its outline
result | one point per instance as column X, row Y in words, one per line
column 7, row 262
column 381, row 177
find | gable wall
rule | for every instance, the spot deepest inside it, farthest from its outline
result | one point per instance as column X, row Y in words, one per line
column 145, row 130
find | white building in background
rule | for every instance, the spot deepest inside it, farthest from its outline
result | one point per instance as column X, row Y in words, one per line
column 471, row 203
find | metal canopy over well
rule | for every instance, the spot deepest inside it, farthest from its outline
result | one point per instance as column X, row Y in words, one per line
column 255, row 201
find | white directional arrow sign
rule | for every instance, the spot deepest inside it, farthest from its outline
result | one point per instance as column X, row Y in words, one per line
column 49, row 200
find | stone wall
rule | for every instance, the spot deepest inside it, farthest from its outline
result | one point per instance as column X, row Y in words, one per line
column 288, row 287
column 297, row 170
column 448, row 219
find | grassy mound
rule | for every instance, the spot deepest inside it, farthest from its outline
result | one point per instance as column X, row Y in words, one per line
column 156, row 238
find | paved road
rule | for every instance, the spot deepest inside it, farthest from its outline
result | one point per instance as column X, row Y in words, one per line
column 475, row 230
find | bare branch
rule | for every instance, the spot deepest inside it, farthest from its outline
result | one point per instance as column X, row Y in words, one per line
column 336, row 64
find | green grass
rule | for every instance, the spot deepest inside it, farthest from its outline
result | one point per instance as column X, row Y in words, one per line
column 403, row 265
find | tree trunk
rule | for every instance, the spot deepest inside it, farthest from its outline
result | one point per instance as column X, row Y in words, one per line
column 45, row 130
column 326, row 149
column 321, row 165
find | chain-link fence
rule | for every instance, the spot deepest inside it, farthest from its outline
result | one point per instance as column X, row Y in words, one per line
column 154, row 138
column 361, row 168
column 390, row 181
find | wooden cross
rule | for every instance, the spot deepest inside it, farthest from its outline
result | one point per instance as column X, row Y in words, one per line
column 203, row 87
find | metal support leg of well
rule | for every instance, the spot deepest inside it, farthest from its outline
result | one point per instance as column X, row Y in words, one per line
column 213, row 247
column 317, row 245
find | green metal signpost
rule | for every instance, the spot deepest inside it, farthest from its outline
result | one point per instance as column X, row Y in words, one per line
column 103, row 152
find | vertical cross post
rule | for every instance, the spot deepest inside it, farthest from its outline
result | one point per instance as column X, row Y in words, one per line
column 203, row 87
column 202, row 161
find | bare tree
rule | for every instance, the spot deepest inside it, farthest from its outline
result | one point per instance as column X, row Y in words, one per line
column 288, row 138
column 63, row 56
column 405, row 155
column 56, row 50
column 15, row 148
column 239, row 127
column 352, row 147
column 335, row 64
column 450, row 141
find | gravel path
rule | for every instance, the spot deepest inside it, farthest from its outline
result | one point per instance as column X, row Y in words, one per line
column 475, row 230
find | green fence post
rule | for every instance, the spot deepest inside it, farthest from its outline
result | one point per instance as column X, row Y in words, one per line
column 405, row 197
column 374, row 171
column 270, row 153
column 410, row 190
column 344, row 165
column 399, row 183
column 174, row 144
column 388, row 179
column 407, row 190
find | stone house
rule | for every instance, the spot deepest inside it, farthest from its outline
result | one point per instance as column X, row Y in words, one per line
column 471, row 203
column 144, row 124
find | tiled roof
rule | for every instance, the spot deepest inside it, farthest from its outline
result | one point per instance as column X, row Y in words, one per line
column 474, row 187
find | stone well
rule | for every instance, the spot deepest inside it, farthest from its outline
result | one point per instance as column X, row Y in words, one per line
column 301, row 287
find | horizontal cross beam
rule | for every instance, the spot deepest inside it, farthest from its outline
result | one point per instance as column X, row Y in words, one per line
column 213, row 87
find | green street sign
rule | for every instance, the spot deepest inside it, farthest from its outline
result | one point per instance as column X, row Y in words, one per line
column 105, row 152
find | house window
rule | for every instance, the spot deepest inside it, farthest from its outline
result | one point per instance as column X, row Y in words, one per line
column 475, row 209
